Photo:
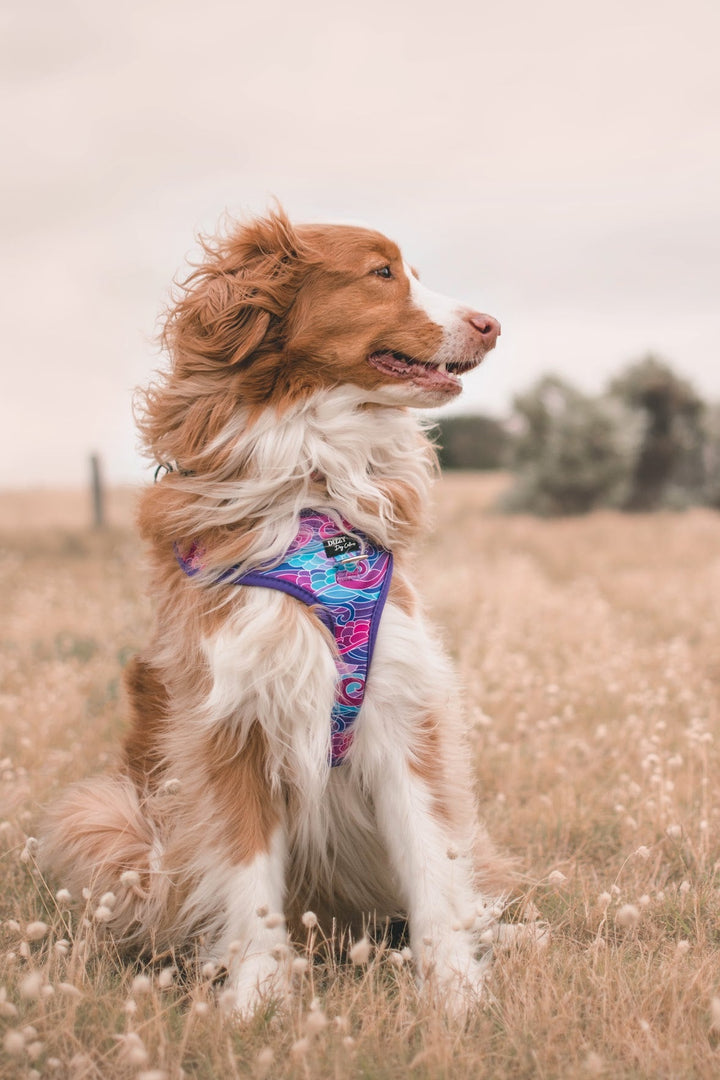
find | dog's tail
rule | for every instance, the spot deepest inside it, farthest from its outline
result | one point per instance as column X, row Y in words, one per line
column 97, row 840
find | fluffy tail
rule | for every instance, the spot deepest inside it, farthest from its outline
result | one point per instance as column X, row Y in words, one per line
column 96, row 837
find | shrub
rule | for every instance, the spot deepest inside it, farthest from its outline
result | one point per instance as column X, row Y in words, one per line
column 711, row 457
column 472, row 442
column 571, row 452
column 669, row 468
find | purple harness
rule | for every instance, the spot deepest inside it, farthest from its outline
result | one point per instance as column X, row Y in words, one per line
column 345, row 578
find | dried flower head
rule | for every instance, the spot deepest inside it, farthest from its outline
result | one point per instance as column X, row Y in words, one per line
column 14, row 1043
column 300, row 1048
column 7, row 1009
column 141, row 985
column 315, row 1021
column 715, row 1014
column 628, row 916
column 360, row 952
column 593, row 1064
column 264, row 1061
column 31, row 985
column 35, row 931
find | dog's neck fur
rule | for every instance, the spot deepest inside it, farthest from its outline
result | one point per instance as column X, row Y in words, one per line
column 371, row 464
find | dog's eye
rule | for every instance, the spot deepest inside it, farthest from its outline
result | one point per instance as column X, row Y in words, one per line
column 383, row 271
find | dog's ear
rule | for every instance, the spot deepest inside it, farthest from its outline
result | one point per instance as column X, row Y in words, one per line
column 228, row 305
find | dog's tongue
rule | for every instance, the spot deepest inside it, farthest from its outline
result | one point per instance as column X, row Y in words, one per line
column 422, row 375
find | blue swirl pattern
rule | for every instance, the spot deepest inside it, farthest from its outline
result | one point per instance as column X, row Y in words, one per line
column 347, row 590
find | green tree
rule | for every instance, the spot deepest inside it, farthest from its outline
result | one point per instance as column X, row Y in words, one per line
column 472, row 442
column 571, row 452
column 669, row 462
column 711, row 456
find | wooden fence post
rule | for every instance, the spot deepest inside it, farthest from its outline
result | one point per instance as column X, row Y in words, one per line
column 98, row 495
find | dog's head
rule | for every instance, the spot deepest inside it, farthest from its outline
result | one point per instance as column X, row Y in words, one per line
column 277, row 312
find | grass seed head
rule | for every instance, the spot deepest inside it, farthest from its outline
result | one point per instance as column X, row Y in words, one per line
column 593, row 1064
column 315, row 1021
column 715, row 1014
column 7, row 1009
column 31, row 985
column 264, row 1062
column 300, row 1048
column 14, row 1043
column 141, row 985
column 360, row 952
column 36, row 931
column 628, row 916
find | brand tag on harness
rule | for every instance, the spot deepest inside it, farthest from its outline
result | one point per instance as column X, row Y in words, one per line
column 340, row 545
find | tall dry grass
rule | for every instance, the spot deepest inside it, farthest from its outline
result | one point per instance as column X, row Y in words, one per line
column 589, row 652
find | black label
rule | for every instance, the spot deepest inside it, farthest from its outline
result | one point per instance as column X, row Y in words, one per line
column 340, row 545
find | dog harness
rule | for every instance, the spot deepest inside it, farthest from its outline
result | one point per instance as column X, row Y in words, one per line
column 345, row 578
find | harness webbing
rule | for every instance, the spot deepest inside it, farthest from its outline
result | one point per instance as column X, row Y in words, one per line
column 345, row 578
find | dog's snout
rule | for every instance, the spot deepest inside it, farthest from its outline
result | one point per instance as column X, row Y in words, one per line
column 487, row 326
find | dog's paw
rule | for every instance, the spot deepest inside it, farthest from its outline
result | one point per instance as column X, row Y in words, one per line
column 454, row 978
column 256, row 984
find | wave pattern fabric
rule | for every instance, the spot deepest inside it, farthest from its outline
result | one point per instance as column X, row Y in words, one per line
column 345, row 578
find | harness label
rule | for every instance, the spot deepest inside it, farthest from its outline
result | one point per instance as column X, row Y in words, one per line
column 340, row 545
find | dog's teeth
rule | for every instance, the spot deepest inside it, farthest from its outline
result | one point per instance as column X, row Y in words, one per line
column 442, row 366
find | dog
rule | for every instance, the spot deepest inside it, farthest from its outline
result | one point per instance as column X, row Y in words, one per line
column 296, row 740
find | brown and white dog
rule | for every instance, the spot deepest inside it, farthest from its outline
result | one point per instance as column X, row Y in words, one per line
column 296, row 356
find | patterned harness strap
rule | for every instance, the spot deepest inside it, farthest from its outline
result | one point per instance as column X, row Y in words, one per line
column 345, row 578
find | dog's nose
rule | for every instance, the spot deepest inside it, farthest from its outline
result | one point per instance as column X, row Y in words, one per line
column 487, row 326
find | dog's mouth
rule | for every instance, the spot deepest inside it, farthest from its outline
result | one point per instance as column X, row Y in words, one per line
column 443, row 377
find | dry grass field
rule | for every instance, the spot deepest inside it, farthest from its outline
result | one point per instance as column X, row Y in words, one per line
column 589, row 653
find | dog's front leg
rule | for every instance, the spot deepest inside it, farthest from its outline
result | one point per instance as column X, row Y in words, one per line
column 411, row 753
column 238, row 862
column 436, row 881
column 253, row 939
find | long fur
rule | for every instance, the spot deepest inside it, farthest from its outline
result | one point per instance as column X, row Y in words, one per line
column 284, row 391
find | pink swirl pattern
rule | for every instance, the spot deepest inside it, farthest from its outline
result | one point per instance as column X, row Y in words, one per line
column 347, row 584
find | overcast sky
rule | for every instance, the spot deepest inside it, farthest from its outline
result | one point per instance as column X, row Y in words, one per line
column 556, row 164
